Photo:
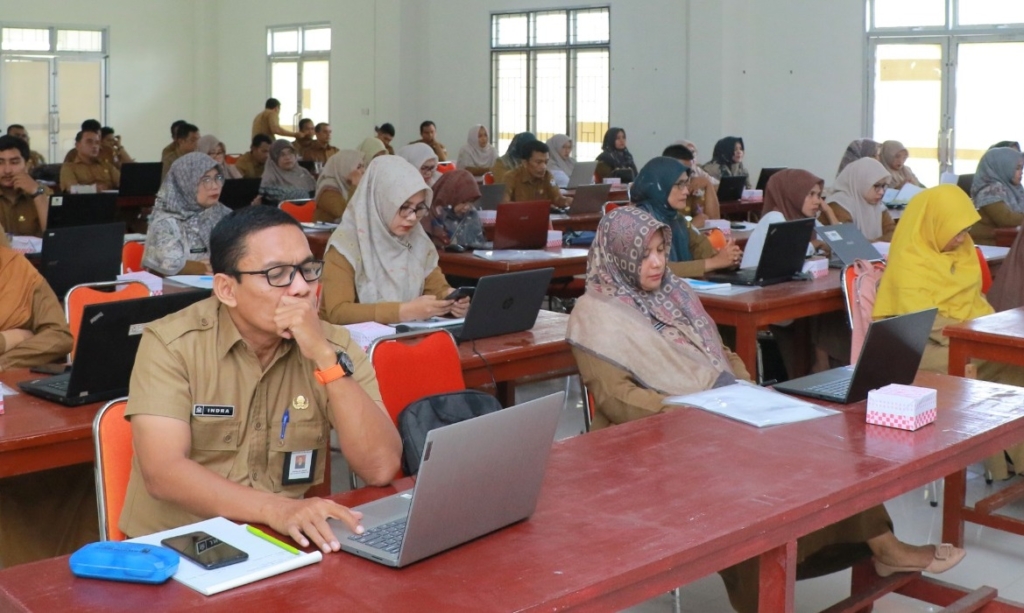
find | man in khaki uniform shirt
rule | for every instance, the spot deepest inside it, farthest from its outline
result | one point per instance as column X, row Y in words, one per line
column 320, row 150
column 87, row 168
column 304, row 138
column 428, row 136
column 228, row 394
column 251, row 164
column 531, row 181
column 268, row 121
column 186, row 139
column 24, row 203
column 35, row 159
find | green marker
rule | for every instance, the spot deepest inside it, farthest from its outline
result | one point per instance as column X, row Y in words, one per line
column 266, row 537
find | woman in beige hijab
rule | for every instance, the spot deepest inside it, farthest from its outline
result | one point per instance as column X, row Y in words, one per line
column 336, row 184
column 894, row 157
column 380, row 265
column 370, row 148
column 857, row 198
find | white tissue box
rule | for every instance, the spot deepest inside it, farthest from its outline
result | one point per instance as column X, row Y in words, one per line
column 612, row 180
column 721, row 224
column 816, row 266
column 752, row 195
column 488, row 216
column 906, row 407
column 554, row 239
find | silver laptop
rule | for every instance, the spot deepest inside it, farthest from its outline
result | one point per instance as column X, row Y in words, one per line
column 589, row 199
column 475, row 477
column 491, row 196
column 848, row 244
column 582, row 174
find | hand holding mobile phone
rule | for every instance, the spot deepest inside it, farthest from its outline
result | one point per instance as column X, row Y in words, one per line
column 460, row 292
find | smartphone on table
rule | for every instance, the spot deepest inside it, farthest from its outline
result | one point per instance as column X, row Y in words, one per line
column 205, row 550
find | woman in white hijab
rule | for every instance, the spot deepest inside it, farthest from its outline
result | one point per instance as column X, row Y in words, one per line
column 336, row 184
column 560, row 160
column 380, row 265
column 423, row 159
column 477, row 155
column 213, row 147
column 856, row 198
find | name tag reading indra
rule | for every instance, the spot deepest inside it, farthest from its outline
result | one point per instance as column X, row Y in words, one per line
column 213, row 410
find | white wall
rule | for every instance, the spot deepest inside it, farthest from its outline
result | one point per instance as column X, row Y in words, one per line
column 151, row 65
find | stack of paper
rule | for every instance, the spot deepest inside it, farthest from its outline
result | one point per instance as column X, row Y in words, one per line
column 707, row 286
column 200, row 281
column 752, row 404
column 902, row 196
column 368, row 331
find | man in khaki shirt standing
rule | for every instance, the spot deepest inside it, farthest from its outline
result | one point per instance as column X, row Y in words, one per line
column 87, row 168
column 268, row 121
column 35, row 159
column 428, row 136
column 531, row 181
column 320, row 150
column 186, row 139
column 251, row 164
column 24, row 203
column 232, row 399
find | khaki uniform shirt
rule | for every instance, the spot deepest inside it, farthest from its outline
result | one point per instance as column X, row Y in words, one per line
column 316, row 151
column 300, row 144
column 167, row 160
column 266, row 122
column 439, row 150
column 88, row 173
column 52, row 337
column 35, row 160
column 196, row 358
column 249, row 168
column 18, row 214
column 521, row 186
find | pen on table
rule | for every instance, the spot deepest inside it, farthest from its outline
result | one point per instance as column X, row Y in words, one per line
column 284, row 423
column 273, row 541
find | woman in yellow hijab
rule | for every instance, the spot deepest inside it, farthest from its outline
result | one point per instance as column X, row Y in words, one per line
column 933, row 263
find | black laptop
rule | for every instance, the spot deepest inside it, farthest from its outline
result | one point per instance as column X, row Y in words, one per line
column 81, row 210
column 140, row 179
column 730, row 189
column 238, row 193
column 782, row 257
column 766, row 173
column 502, row 304
column 81, row 254
column 891, row 353
column 105, row 349
column 491, row 196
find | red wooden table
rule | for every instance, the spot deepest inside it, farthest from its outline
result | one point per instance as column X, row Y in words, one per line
column 1006, row 236
column 999, row 338
column 739, row 209
column 566, row 262
column 625, row 514
column 751, row 310
column 562, row 223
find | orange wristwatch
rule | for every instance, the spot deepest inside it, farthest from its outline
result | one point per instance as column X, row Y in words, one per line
column 343, row 368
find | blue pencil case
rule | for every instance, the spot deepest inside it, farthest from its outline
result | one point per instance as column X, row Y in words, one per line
column 121, row 561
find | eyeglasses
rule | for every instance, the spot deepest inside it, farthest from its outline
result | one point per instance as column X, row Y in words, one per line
column 428, row 169
column 880, row 186
column 681, row 184
column 284, row 275
column 208, row 181
column 408, row 211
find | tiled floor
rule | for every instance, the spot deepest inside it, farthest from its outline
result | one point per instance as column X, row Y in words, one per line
column 994, row 558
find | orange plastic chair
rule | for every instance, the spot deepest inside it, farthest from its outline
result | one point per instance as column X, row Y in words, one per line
column 112, row 438
column 610, row 206
column 445, row 167
column 231, row 158
column 488, row 178
column 303, row 213
column 717, row 238
column 81, row 296
column 986, row 272
column 399, row 363
column 131, row 256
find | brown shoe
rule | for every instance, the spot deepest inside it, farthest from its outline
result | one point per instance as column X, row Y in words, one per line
column 946, row 557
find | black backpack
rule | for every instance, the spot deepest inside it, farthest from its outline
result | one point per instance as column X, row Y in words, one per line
column 425, row 414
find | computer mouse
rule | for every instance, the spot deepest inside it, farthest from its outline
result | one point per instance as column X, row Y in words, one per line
column 454, row 248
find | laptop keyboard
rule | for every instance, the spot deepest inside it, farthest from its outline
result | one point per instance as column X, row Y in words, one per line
column 837, row 388
column 61, row 385
column 387, row 537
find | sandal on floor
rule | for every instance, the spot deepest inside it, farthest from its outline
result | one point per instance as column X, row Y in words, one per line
column 946, row 557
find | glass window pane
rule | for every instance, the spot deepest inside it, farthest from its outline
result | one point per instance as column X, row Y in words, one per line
column 25, row 39
column 552, row 94
column 509, row 97
column 550, row 28
column 25, row 98
column 284, row 83
column 286, row 41
column 509, row 30
column 908, row 101
column 80, row 97
column 79, row 40
column 315, row 90
column 909, row 13
column 318, row 39
column 591, row 102
column 981, row 118
column 590, row 26
column 978, row 12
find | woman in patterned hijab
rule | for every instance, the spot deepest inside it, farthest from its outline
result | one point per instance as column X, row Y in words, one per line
column 187, row 208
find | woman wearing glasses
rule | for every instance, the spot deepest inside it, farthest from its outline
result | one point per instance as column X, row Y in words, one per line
column 857, row 198
column 187, row 208
column 422, row 158
column 997, row 193
column 661, row 189
column 283, row 178
column 380, row 265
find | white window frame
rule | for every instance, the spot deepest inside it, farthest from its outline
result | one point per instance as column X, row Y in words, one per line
column 300, row 57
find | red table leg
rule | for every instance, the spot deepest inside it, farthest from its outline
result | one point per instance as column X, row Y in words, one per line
column 777, row 582
column 953, row 501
